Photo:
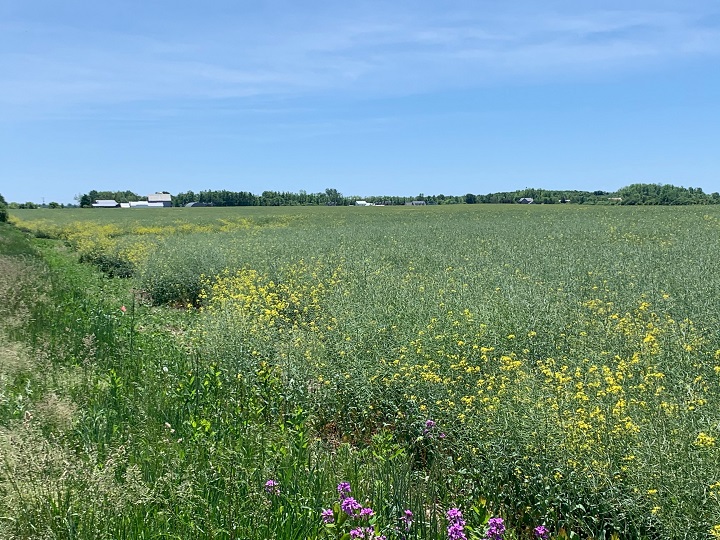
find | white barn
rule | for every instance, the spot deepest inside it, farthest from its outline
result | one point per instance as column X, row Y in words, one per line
column 159, row 199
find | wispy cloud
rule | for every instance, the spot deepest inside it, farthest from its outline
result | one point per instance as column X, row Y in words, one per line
column 47, row 65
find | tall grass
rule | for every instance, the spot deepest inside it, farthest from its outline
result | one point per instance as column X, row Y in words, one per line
column 567, row 356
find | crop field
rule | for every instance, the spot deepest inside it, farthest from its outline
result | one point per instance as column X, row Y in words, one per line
column 545, row 371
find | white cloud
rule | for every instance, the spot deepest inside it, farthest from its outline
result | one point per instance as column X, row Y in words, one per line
column 49, row 66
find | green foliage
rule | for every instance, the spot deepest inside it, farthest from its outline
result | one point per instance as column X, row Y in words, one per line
column 3, row 210
column 84, row 200
column 173, row 273
column 13, row 241
column 567, row 356
column 664, row 194
column 110, row 262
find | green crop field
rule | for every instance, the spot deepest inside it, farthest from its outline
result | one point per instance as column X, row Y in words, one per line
column 218, row 372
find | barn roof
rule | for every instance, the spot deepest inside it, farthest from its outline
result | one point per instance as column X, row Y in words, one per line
column 159, row 197
column 105, row 203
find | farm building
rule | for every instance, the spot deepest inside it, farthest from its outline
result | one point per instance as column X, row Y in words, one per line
column 526, row 200
column 159, row 199
column 363, row 203
column 197, row 205
column 105, row 203
column 147, row 204
column 415, row 203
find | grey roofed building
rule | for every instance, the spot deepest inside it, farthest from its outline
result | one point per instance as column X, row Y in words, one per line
column 165, row 199
column 526, row 200
column 105, row 203
column 196, row 205
column 415, row 203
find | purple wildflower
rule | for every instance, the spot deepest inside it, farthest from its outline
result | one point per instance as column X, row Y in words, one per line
column 367, row 513
column 272, row 487
column 364, row 533
column 456, row 532
column 328, row 516
column 496, row 529
column 454, row 515
column 541, row 532
column 407, row 519
column 456, row 529
column 429, row 425
column 350, row 506
column 343, row 489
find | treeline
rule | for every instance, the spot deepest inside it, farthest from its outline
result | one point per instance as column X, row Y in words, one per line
column 643, row 194
column 544, row 196
column 634, row 194
column 665, row 194
column 329, row 197
column 33, row 206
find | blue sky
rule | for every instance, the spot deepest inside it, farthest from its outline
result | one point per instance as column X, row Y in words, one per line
column 371, row 98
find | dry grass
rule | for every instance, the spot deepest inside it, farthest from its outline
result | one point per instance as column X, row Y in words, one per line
column 14, row 357
column 18, row 276
column 39, row 475
column 34, row 464
column 55, row 411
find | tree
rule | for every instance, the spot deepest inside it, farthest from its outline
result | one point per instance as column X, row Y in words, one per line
column 3, row 209
column 333, row 196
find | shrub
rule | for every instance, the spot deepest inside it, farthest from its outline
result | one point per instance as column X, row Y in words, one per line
column 173, row 273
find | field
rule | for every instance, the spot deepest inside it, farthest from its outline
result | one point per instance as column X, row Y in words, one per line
column 216, row 373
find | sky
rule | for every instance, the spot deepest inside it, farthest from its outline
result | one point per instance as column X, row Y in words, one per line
column 370, row 98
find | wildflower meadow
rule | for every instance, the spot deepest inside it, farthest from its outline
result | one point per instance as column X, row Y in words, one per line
column 449, row 372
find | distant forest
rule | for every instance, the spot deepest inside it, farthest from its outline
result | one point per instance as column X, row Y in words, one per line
column 634, row 194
